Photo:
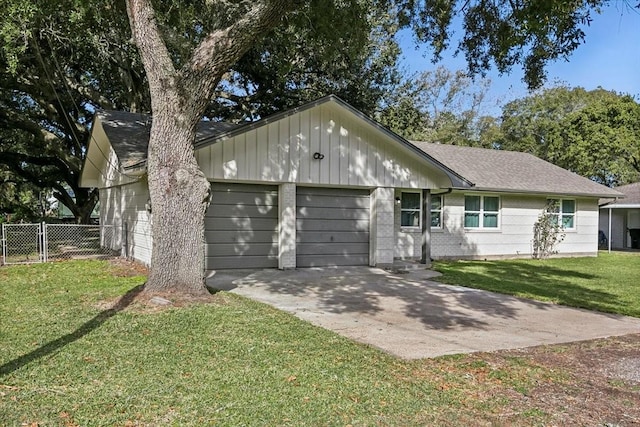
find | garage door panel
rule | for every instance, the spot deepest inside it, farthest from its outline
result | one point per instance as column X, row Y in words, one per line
column 240, row 249
column 333, row 201
column 227, row 211
column 248, row 262
column 255, row 199
column 226, row 236
column 335, row 225
column 341, row 237
column 332, row 227
column 330, row 249
column 241, row 226
column 331, row 213
column 331, row 260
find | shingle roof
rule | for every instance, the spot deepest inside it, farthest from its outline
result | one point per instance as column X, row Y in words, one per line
column 128, row 134
column 511, row 171
column 631, row 197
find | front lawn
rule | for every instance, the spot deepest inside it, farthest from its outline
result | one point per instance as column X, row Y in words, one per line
column 77, row 349
column 609, row 283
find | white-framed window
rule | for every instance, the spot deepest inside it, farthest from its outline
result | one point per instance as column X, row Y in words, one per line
column 437, row 203
column 481, row 211
column 565, row 211
column 410, row 209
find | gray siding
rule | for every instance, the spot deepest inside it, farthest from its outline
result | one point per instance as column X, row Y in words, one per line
column 332, row 227
column 241, row 227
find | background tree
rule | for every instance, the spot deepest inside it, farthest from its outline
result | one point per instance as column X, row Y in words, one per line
column 592, row 133
column 61, row 61
column 341, row 48
column 440, row 106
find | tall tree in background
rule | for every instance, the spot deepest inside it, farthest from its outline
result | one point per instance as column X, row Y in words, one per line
column 595, row 134
column 321, row 48
column 60, row 61
column 440, row 106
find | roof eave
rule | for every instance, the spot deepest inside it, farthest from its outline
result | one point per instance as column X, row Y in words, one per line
column 539, row 192
column 621, row 206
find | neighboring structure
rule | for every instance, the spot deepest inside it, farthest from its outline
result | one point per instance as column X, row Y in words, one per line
column 324, row 185
column 620, row 219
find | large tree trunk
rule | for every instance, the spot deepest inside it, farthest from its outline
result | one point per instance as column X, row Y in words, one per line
column 178, row 189
column 180, row 194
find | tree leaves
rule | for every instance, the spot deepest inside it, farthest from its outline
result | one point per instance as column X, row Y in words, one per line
column 593, row 133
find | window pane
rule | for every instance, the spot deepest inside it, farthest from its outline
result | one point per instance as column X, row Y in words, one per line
column 410, row 219
column 491, row 204
column 490, row 220
column 568, row 206
column 436, row 203
column 567, row 221
column 410, row 201
column 472, row 220
column 436, row 219
column 471, row 203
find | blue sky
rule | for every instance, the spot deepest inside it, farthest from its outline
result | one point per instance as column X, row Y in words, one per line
column 609, row 57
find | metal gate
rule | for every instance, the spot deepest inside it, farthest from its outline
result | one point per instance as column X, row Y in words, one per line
column 32, row 243
column 22, row 243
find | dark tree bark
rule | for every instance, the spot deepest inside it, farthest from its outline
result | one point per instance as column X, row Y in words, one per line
column 179, row 190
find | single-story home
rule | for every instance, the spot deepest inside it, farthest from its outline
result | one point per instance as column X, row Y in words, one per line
column 620, row 219
column 324, row 185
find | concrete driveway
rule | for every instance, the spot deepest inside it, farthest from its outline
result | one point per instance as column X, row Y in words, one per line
column 410, row 316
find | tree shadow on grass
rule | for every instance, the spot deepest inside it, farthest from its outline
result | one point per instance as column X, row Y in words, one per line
column 87, row 327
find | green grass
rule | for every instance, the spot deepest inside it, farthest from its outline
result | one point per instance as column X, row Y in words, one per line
column 608, row 283
column 68, row 359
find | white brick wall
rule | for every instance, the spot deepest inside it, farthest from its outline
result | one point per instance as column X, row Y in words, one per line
column 513, row 238
column 287, row 219
column 381, row 244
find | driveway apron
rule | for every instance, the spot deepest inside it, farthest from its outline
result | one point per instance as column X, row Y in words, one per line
column 410, row 316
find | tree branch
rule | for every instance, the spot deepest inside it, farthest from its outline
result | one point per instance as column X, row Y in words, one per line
column 153, row 50
column 222, row 48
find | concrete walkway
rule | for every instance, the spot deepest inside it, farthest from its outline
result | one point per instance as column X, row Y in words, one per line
column 411, row 316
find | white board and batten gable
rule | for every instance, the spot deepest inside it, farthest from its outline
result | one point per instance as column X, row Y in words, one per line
column 322, row 144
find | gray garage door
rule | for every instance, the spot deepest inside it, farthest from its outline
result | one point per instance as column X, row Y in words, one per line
column 241, row 227
column 332, row 227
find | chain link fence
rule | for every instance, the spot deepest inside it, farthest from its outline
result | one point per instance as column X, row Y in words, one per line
column 31, row 243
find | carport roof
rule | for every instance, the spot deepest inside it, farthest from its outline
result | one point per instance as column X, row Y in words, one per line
column 631, row 198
